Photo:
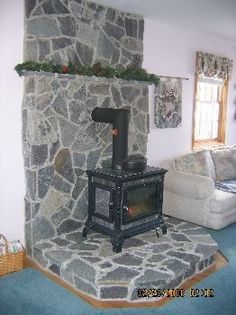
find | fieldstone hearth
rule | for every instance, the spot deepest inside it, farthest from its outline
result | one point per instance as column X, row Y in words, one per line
column 145, row 262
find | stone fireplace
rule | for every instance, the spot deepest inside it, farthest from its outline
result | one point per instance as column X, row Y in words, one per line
column 61, row 142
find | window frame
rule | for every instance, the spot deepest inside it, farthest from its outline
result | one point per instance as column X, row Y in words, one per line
column 220, row 140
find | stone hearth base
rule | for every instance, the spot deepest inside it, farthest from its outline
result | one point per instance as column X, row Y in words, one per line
column 145, row 261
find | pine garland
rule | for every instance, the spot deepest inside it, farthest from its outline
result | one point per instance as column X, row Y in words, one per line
column 96, row 70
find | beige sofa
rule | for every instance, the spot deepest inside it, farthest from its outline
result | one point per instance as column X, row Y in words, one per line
column 190, row 193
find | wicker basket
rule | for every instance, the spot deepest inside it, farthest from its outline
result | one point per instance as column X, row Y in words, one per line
column 10, row 262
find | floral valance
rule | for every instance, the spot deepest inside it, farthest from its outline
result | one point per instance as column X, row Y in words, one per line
column 211, row 65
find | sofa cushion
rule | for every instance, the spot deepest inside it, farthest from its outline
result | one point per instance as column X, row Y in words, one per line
column 199, row 163
column 222, row 202
column 225, row 163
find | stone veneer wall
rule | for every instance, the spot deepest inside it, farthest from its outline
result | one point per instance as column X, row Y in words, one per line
column 82, row 32
column 61, row 142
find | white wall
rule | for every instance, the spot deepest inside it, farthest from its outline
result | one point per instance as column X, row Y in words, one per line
column 11, row 160
column 171, row 51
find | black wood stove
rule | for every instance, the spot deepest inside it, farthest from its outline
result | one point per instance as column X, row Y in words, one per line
column 126, row 199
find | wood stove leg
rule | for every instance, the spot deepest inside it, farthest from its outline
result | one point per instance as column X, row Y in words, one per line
column 85, row 231
column 163, row 228
column 116, row 245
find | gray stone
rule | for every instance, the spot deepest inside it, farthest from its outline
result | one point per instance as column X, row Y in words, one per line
column 27, row 210
column 83, row 246
column 53, row 202
column 199, row 231
column 43, row 101
column 31, row 179
column 76, row 237
column 105, row 265
column 133, row 44
column 115, row 57
column 78, row 113
column 92, row 259
column 141, row 29
column 80, row 93
column 39, row 154
column 84, row 142
column 156, row 258
column 54, row 7
column 60, row 242
column 129, row 93
column 35, row 208
column 93, row 158
column 113, row 292
column 128, row 259
column 68, row 25
column 142, row 103
column 59, row 104
column 44, row 49
column 131, row 27
column 111, row 14
column 28, row 238
column 81, row 269
column 55, row 269
column 113, row 30
column 58, row 255
column 99, row 88
column 41, row 229
column 39, row 257
column 120, row 274
column 179, row 237
column 68, row 226
column 205, row 250
column 79, row 159
column 78, row 188
column 159, row 248
column 105, row 48
column 45, row 176
column 85, row 53
column 73, row 57
column 60, row 184
column 176, row 266
column 59, row 216
column 91, row 102
column 38, row 11
column 29, row 6
column 140, row 123
column 53, row 149
column 190, row 271
column 29, row 85
column 133, row 242
column 59, row 43
column 42, row 26
column 43, row 85
column 63, row 165
column 151, row 275
column 175, row 222
column 87, row 34
column 82, row 13
column 68, row 132
column 31, row 50
column 85, row 287
column 190, row 258
column 81, row 209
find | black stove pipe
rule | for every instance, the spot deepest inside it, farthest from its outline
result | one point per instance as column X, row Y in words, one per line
column 119, row 118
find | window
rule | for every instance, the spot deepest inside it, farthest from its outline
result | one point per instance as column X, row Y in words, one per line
column 212, row 74
column 210, row 110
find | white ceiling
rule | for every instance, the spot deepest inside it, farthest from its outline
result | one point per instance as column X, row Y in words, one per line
column 216, row 17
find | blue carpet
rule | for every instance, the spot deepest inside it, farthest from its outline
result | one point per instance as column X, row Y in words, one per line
column 29, row 292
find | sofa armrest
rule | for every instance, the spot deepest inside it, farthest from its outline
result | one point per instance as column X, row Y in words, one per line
column 189, row 185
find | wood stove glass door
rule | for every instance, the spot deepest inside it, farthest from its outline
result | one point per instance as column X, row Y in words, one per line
column 140, row 201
